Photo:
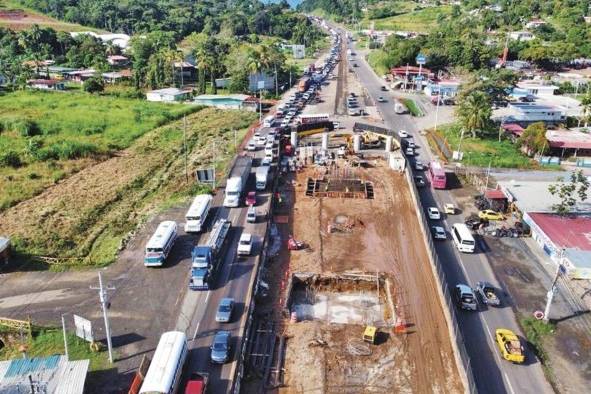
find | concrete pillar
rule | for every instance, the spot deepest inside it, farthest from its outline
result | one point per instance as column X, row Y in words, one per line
column 389, row 143
column 356, row 143
column 325, row 141
column 294, row 139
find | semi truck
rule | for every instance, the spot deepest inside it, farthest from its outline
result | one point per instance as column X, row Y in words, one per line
column 206, row 259
column 262, row 175
column 237, row 181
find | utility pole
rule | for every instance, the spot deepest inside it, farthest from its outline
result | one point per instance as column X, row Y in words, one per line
column 65, row 338
column 185, row 148
column 276, row 86
column 104, row 300
column 235, row 140
column 437, row 109
column 550, row 294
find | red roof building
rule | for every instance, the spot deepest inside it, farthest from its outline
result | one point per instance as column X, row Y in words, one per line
column 411, row 71
column 568, row 139
column 568, row 232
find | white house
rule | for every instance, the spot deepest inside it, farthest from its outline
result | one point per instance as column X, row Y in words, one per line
column 534, row 24
column 537, row 88
column 525, row 113
column 46, row 84
column 521, row 36
column 168, row 95
column 121, row 40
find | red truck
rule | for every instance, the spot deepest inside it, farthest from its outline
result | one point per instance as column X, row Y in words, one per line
column 197, row 383
column 304, row 85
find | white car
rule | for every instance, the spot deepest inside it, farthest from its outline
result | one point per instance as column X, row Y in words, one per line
column 266, row 162
column 245, row 245
column 251, row 146
column 419, row 166
column 336, row 125
column 410, row 151
column 402, row 134
column 450, row 209
column 433, row 213
column 438, row 232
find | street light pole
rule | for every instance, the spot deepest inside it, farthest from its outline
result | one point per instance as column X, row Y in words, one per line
column 104, row 300
column 437, row 109
column 552, row 291
column 65, row 337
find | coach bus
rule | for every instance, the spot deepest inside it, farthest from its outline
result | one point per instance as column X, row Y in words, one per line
column 312, row 118
column 197, row 213
column 160, row 244
column 166, row 368
column 437, row 175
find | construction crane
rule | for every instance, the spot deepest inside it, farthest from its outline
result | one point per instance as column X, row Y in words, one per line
column 503, row 60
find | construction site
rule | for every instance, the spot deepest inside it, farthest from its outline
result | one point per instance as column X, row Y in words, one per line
column 357, row 308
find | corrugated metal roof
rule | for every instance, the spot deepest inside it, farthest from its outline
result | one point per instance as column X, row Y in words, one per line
column 565, row 231
column 54, row 374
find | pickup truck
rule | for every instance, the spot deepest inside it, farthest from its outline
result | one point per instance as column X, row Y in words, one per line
column 487, row 294
column 197, row 383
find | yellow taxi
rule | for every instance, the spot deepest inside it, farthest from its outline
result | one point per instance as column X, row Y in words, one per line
column 509, row 345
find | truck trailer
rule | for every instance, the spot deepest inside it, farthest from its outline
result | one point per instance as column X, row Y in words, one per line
column 206, row 259
column 237, row 181
column 262, row 175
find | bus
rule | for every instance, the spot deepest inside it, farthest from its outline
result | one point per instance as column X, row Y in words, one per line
column 463, row 238
column 312, row 118
column 160, row 244
column 166, row 368
column 437, row 175
column 197, row 213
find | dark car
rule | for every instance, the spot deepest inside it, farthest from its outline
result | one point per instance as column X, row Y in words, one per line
column 220, row 347
column 384, row 89
column 474, row 222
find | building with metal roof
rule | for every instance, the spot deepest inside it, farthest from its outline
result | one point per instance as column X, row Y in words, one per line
column 48, row 375
column 533, row 196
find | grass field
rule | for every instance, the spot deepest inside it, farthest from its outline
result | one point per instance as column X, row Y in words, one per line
column 30, row 17
column 53, row 134
column 481, row 152
column 85, row 219
column 420, row 21
column 47, row 342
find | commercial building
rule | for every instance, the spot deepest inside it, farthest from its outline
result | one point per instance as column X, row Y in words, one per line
column 444, row 88
column 533, row 196
column 526, row 113
column 49, row 375
column 534, row 87
column 573, row 142
column 168, row 95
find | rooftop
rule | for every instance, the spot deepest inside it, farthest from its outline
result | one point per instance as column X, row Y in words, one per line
column 171, row 91
column 55, row 373
column 240, row 97
column 573, row 139
column 533, row 196
column 569, row 232
column 44, row 81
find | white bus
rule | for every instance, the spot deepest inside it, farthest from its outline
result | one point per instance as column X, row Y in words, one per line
column 312, row 118
column 463, row 238
column 197, row 213
column 160, row 244
column 166, row 368
column 268, row 121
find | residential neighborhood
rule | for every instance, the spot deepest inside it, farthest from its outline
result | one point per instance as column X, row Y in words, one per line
column 352, row 196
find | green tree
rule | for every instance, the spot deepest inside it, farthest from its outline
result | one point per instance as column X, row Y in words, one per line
column 474, row 112
column 93, row 85
column 586, row 103
column 534, row 138
column 569, row 193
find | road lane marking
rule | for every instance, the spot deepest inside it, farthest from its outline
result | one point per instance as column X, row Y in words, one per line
column 509, row 383
column 196, row 330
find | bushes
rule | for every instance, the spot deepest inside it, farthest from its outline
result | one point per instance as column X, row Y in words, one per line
column 68, row 150
column 10, row 158
column 24, row 126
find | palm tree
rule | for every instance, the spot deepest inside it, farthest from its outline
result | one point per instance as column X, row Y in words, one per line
column 474, row 112
column 586, row 103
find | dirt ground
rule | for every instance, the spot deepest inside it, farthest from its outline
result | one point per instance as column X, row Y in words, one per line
column 385, row 237
column 17, row 19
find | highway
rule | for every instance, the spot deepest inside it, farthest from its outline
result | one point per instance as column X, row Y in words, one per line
column 198, row 309
column 492, row 374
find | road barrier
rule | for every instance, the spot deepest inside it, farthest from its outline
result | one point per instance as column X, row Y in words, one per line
column 463, row 362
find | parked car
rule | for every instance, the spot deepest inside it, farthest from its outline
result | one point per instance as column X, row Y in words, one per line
column 402, row 134
column 419, row 181
column 220, row 347
column 474, row 222
column 225, row 309
column 336, row 125
column 489, row 214
column 487, row 293
column 509, row 345
column 465, row 297
column 449, row 209
column 245, row 245
column 251, row 198
column 433, row 213
column 438, row 232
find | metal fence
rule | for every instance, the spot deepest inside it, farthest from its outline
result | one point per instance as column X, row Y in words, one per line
column 460, row 346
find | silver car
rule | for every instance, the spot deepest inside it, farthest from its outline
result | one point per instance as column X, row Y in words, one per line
column 224, row 312
column 220, row 347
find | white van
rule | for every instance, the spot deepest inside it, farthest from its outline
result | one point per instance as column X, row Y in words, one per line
column 463, row 238
column 268, row 121
column 197, row 213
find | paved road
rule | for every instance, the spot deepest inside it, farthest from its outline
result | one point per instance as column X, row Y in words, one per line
column 492, row 374
column 197, row 315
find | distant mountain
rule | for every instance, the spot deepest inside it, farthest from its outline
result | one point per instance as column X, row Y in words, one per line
column 292, row 3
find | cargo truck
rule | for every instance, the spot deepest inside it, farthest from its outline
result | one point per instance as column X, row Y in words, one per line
column 304, row 85
column 237, row 181
column 206, row 259
column 262, row 175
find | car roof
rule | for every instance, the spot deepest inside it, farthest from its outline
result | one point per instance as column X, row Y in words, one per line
column 221, row 335
column 438, row 228
column 464, row 288
column 246, row 237
column 226, row 301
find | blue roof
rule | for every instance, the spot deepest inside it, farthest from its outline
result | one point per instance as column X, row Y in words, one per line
column 25, row 366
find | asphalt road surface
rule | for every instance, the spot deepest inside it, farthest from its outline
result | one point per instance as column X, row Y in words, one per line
column 492, row 374
column 234, row 279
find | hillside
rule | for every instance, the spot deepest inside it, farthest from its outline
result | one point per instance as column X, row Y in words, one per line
column 16, row 17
